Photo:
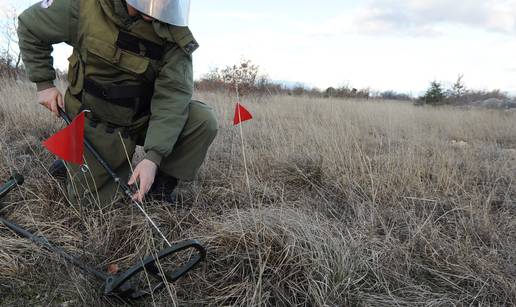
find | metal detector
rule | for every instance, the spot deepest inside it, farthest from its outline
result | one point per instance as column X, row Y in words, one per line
column 119, row 285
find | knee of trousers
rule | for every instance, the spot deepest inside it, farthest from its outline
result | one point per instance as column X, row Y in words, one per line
column 209, row 125
column 212, row 126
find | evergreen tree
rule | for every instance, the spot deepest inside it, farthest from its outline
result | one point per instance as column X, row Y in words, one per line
column 435, row 94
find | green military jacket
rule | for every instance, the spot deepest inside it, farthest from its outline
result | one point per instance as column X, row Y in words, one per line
column 92, row 28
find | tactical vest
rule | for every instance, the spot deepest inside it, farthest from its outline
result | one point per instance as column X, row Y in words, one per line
column 112, row 70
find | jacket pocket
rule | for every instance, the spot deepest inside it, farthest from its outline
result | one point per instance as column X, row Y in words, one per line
column 121, row 59
column 75, row 74
column 110, row 66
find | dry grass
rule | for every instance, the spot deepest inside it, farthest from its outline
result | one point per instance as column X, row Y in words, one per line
column 353, row 203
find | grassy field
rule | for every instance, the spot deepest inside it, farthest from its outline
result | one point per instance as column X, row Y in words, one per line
column 350, row 203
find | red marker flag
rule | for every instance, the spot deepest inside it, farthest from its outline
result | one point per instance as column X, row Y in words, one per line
column 68, row 144
column 241, row 114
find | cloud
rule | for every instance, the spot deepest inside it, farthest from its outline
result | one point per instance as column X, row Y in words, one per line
column 3, row 4
column 425, row 17
column 232, row 15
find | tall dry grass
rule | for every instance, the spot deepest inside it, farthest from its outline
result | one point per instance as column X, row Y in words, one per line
column 351, row 203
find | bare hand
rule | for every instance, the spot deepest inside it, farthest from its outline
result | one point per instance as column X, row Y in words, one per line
column 50, row 99
column 145, row 172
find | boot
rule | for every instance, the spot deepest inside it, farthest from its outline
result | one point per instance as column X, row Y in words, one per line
column 58, row 170
column 163, row 188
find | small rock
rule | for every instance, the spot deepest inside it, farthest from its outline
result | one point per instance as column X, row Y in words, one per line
column 459, row 143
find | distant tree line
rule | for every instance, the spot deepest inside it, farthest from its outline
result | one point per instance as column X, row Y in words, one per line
column 246, row 78
column 459, row 94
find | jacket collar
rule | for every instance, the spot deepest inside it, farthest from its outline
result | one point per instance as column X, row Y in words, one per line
column 116, row 10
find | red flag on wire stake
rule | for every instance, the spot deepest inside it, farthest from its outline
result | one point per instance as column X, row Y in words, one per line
column 241, row 114
column 68, row 144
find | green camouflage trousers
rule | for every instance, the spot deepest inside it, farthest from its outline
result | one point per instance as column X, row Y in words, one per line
column 92, row 184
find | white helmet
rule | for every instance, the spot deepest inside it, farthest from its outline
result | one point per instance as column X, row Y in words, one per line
column 174, row 12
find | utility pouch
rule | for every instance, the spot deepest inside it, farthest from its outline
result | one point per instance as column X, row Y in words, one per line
column 113, row 87
column 120, row 59
column 117, row 104
column 75, row 74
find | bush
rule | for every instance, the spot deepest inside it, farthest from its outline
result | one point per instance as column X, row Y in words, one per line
column 244, row 78
column 435, row 94
column 392, row 95
column 459, row 94
column 458, row 91
column 472, row 96
column 8, row 67
column 347, row 92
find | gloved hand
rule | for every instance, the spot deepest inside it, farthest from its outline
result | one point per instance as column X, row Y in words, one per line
column 145, row 172
column 50, row 99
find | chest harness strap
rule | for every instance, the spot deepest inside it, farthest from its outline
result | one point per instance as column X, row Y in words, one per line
column 128, row 96
column 134, row 44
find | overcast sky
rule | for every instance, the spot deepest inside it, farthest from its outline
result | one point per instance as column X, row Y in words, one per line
column 382, row 44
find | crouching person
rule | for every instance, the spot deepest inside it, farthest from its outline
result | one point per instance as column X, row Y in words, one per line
column 131, row 68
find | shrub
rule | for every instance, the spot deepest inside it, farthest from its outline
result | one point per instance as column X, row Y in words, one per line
column 392, row 95
column 244, row 77
column 435, row 94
